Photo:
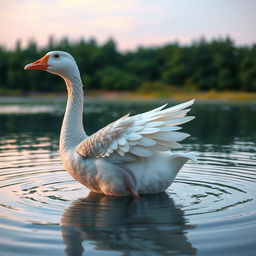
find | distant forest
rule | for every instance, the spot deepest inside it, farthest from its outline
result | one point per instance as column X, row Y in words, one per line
column 203, row 66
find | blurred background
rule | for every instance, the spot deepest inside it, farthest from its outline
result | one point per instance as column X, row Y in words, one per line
column 152, row 48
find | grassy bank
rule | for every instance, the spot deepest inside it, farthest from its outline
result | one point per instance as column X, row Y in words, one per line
column 158, row 90
column 170, row 94
column 177, row 95
column 206, row 96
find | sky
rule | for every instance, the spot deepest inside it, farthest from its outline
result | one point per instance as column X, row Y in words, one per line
column 131, row 23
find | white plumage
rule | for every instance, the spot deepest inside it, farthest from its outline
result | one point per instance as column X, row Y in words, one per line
column 129, row 156
column 140, row 135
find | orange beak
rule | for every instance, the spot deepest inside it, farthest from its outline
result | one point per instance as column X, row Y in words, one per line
column 40, row 64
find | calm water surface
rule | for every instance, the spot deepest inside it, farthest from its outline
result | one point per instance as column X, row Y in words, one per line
column 210, row 209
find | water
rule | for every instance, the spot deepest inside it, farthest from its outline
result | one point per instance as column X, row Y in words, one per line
column 210, row 209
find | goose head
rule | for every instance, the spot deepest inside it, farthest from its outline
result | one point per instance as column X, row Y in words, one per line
column 58, row 63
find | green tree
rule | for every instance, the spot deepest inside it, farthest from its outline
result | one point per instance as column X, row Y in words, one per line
column 217, row 64
column 112, row 78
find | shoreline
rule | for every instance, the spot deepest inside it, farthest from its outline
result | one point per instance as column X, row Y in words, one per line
column 203, row 97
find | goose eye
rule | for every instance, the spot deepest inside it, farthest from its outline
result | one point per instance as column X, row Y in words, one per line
column 56, row 56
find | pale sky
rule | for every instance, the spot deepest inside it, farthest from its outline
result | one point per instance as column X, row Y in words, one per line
column 130, row 22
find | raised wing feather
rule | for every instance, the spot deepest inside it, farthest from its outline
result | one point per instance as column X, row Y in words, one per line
column 140, row 135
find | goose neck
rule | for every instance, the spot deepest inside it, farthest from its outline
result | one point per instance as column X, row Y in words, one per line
column 72, row 131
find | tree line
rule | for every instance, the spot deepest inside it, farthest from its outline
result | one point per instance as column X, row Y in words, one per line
column 202, row 65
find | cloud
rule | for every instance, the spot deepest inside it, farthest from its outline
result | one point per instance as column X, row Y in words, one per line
column 131, row 22
column 98, row 6
column 39, row 19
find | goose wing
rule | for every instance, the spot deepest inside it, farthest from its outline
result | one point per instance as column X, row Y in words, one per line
column 140, row 135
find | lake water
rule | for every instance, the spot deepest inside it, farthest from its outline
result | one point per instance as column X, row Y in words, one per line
column 210, row 209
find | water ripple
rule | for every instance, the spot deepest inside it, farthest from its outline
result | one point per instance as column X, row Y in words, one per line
column 215, row 195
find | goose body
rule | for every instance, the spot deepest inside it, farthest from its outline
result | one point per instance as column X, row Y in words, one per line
column 130, row 156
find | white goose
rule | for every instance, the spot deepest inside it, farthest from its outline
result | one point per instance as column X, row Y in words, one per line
column 129, row 156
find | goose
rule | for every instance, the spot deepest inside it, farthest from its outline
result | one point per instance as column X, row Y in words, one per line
column 131, row 156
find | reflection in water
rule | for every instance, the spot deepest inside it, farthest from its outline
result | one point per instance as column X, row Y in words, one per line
column 217, row 195
column 153, row 226
column 217, row 124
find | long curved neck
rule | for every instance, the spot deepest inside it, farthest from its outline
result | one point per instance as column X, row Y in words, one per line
column 72, row 131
